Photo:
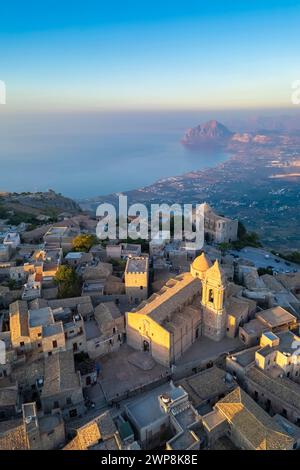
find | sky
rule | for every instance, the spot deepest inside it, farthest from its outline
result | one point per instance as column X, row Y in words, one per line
column 148, row 55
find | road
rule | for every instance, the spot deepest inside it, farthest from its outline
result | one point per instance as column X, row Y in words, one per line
column 263, row 259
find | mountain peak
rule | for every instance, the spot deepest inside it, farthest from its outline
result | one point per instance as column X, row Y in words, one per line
column 209, row 132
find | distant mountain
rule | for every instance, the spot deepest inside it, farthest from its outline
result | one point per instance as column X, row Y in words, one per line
column 212, row 132
column 254, row 124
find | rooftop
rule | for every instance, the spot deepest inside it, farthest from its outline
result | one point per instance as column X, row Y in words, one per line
column 40, row 317
column 206, row 385
column 60, row 374
column 74, row 255
column 137, row 264
column 183, row 441
column 245, row 357
column 102, row 428
column 54, row 329
column 57, row 232
column 253, row 423
column 147, row 410
column 254, row 327
column 173, row 294
column 276, row 316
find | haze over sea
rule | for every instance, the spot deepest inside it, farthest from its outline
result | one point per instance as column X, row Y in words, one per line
column 85, row 155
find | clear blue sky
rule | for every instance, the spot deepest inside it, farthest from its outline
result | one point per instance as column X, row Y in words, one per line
column 149, row 54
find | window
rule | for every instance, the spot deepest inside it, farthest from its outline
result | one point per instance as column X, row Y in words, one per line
column 39, row 334
column 284, row 413
column 211, row 296
column 141, row 287
column 22, row 343
column 73, row 413
column 54, row 343
column 56, row 404
column 69, row 401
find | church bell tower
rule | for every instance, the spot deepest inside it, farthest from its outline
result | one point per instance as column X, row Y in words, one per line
column 213, row 303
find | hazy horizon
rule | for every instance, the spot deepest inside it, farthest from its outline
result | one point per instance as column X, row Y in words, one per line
column 139, row 56
column 99, row 95
column 89, row 154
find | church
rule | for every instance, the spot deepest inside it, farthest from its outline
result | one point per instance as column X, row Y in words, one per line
column 197, row 303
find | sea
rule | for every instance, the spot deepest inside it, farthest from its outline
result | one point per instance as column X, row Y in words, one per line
column 84, row 155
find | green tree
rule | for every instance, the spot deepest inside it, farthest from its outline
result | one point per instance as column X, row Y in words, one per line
column 262, row 271
column 68, row 282
column 293, row 257
column 84, row 242
column 242, row 231
column 224, row 247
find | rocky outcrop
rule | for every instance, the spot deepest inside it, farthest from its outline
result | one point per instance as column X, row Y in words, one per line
column 212, row 132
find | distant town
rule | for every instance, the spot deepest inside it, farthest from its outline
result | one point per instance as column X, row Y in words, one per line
column 145, row 345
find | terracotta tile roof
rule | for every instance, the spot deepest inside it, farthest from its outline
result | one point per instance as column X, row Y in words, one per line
column 254, row 425
column 60, row 374
column 206, row 384
column 101, row 428
column 18, row 314
column 13, row 435
column 170, row 297
column 275, row 316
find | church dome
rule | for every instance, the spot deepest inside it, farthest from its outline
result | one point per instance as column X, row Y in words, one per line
column 200, row 265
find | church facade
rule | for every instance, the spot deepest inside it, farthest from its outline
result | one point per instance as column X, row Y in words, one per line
column 187, row 307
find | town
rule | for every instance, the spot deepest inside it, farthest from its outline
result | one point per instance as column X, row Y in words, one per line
column 122, row 345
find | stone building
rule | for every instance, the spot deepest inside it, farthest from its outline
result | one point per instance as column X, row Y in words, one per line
column 168, row 322
column 270, row 373
column 207, row 387
column 111, row 324
column 275, row 319
column 246, row 424
column 62, row 388
column 165, row 417
column 136, row 279
column 219, row 229
column 45, row 329
column 188, row 306
column 10, row 402
column 32, row 431
column 99, row 434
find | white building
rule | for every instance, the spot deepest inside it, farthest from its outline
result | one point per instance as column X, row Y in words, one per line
column 12, row 239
